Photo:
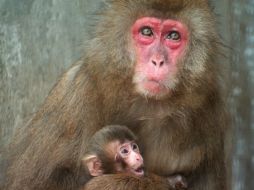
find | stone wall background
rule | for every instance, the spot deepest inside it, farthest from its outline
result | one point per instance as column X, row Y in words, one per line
column 39, row 39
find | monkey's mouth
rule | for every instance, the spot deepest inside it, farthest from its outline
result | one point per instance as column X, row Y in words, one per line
column 139, row 171
column 153, row 86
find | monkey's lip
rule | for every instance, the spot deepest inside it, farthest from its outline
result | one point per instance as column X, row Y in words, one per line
column 153, row 86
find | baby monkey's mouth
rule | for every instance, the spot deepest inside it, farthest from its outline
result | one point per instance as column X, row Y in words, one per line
column 139, row 171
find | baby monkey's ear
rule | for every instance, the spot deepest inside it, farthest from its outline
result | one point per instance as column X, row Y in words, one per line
column 93, row 164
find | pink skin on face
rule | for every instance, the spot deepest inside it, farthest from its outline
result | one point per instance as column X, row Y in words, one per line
column 129, row 153
column 159, row 44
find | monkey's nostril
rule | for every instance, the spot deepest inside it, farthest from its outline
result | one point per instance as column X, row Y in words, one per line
column 155, row 63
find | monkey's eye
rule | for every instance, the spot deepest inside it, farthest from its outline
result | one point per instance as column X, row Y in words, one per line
column 174, row 35
column 124, row 151
column 146, row 31
column 135, row 147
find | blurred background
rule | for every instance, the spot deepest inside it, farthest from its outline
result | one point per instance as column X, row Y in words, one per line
column 39, row 39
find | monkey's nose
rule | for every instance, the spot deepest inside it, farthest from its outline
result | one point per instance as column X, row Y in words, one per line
column 139, row 158
column 158, row 63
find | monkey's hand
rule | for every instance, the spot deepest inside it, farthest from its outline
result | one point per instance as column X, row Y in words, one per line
column 178, row 182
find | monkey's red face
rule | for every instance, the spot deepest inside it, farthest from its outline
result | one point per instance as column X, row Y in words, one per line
column 159, row 44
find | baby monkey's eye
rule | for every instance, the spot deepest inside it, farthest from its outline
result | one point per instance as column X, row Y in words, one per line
column 135, row 147
column 124, row 151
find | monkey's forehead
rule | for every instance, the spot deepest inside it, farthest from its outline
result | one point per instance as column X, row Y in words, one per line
column 161, row 6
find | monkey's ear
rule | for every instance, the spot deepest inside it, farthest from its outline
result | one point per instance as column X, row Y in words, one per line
column 93, row 164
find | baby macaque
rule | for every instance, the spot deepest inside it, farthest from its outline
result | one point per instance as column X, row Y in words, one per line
column 113, row 149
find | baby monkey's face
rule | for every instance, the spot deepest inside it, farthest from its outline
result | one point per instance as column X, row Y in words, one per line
column 127, row 157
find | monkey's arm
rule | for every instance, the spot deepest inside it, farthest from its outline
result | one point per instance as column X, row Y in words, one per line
column 126, row 182
column 209, row 178
column 46, row 150
column 211, row 173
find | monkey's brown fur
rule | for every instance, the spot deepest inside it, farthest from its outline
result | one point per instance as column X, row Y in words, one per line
column 182, row 133
column 127, row 182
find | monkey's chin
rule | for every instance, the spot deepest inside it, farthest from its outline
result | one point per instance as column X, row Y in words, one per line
column 153, row 89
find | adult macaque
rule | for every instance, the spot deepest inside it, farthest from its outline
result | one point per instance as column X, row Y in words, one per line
column 112, row 150
column 149, row 64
